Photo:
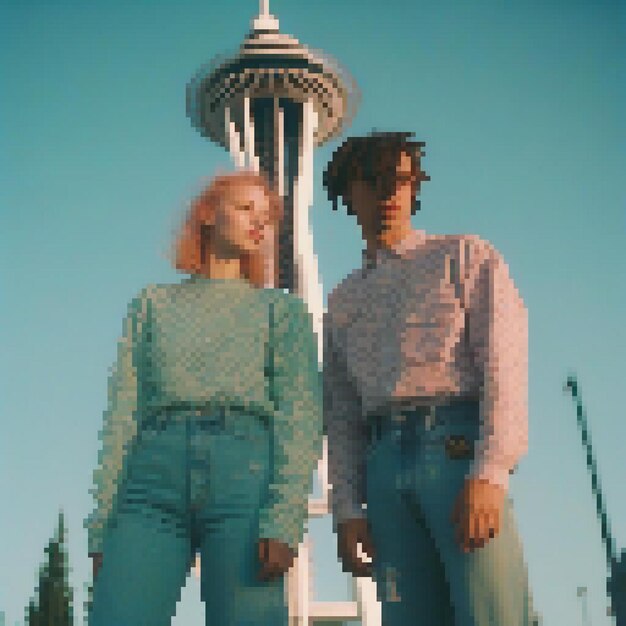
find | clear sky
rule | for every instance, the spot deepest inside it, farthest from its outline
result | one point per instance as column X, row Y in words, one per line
column 522, row 108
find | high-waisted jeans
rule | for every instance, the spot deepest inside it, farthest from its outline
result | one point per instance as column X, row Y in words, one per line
column 194, row 482
column 416, row 467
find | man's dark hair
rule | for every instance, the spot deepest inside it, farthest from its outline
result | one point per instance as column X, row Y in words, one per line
column 374, row 159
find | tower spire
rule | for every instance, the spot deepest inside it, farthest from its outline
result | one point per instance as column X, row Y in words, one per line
column 264, row 20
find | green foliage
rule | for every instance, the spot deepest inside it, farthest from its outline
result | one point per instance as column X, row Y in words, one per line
column 52, row 604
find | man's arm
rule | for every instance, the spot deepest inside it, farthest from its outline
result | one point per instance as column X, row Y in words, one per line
column 347, row 439
column 498, row 334
column 347, row 442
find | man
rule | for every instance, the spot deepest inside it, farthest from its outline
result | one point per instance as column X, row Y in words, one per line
column 425, row 402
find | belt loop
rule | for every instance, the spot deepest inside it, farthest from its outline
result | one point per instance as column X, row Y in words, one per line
column 375, row 428
column 430, row 417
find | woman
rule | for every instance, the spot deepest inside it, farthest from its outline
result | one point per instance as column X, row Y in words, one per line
column 213, row 427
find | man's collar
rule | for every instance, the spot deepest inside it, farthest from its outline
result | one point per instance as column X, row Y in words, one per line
column 401, row 249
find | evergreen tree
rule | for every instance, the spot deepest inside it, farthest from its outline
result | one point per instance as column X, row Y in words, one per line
column 52, row 605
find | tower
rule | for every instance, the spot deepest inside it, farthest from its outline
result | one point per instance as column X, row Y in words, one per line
column 269, row 105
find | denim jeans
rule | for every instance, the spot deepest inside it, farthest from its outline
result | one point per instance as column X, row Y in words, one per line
column 414, row 475
column 194, row 483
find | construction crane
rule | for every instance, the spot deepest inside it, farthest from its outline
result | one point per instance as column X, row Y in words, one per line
column 616, row 563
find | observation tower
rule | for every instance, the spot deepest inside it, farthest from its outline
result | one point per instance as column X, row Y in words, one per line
column 269, row 105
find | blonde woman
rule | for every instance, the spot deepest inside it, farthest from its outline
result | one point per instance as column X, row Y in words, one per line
column 213, row 427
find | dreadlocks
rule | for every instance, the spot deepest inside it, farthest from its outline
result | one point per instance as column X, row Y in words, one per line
column 373, row 159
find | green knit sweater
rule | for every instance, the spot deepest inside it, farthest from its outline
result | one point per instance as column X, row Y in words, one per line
column 216, row 343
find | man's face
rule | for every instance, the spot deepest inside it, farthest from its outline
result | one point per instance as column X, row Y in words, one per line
column 376, row 213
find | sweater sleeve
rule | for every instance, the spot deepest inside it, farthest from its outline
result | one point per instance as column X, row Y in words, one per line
column 498, row 335
column 346, row 438
column 297, row 422
column 120, row 421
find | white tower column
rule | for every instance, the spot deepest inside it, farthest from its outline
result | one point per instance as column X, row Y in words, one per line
column 308, row 285
column 270, row 105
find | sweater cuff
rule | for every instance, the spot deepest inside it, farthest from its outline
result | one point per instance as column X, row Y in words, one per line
column 494, row 475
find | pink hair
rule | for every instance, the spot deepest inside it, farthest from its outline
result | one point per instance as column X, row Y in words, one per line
column 193, row 242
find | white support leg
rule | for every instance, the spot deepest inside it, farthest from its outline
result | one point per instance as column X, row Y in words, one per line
column 248, row 136
column 234, row 140
column 305, row 260
column 299, row 586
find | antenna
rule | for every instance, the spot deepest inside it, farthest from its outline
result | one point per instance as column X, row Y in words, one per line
column 264, row 20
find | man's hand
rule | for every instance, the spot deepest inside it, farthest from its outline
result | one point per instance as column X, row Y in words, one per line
column 275, row 558
column 350, row 533
column 476, row 514
column 96, row 561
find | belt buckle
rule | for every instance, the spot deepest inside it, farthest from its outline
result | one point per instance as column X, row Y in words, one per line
column 458, row 447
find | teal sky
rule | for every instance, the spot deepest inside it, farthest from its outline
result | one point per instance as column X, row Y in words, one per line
column 521, row 105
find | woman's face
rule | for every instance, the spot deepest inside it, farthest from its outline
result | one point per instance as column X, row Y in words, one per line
column 242, row 220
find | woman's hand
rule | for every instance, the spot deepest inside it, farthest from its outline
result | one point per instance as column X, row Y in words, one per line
column 275, row 558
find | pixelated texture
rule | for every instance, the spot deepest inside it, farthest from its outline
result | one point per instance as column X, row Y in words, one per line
column 210, row 344
column 434, row 318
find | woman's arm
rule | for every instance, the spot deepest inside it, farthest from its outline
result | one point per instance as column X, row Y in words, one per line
column 297, row 422
column 120, row 421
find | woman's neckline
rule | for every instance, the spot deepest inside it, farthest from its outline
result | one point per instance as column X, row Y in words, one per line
column 220, row 281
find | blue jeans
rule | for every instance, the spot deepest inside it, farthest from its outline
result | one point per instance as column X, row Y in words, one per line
column 414, row 474
column 195, row 482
